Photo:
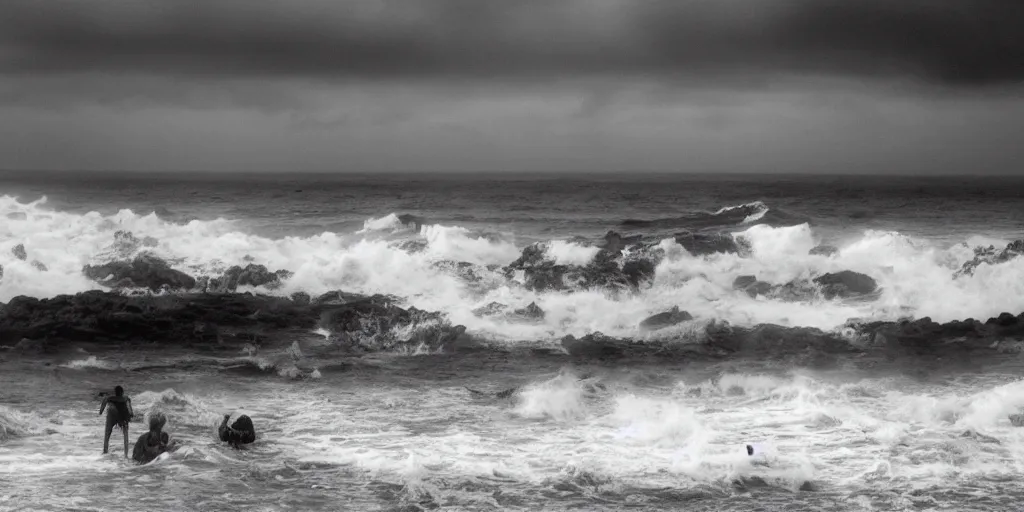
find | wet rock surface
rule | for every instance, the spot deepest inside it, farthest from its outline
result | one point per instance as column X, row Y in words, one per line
column 144, row 271
column 99, row 317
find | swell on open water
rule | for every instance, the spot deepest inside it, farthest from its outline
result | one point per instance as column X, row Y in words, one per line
column 426, row 431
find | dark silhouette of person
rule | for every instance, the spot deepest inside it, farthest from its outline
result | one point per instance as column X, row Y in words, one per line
column 242, row 431
column 153, row 443
column 119, row 413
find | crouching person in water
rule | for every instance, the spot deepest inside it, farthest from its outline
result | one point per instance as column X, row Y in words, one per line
column 119, row 413
column 151, row 444
column 240, row 432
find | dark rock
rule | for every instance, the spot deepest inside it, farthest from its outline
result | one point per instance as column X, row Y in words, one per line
column 1017, row 420
column 991, row 256
column 742, row 282
column 530, row 312
column 610, row 268
column 17, row 216
column 823, row 250
column 752, row 286
column 845, row 284
column 337, row 297
column 638, row 271
column 1, row 272
column 38, row 265
column 1005, row 319
column 377, row 323
column 145, row 271
column 772, row 339
column 19, row 252
column 666, row 319
column 252, row 275
column 703, row 244
column 412, row 220
column 615, row 243
column 595, row 345
column 106, row 317
column 302, row 298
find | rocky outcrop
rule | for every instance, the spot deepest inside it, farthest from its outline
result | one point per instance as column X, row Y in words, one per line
column 845, row 284
column 823, row 250
column 369, row 323
column 109, row 318
column 991, row 256
column 610, row 267
column 19, row 252
column 251, row 275
column 703, row 244
column 752, row 286
column 145, row 271
column 413, row 221
column 666, row 319
column 810, row 346
column 376, row 323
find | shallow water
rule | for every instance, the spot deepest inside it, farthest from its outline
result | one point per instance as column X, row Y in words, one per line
column 400, row 431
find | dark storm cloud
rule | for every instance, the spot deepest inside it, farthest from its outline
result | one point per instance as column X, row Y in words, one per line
column 947, row 42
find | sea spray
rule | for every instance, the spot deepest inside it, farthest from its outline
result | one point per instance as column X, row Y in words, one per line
column 915, row 277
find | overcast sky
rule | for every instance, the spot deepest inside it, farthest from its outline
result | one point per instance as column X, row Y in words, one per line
column 363, row 85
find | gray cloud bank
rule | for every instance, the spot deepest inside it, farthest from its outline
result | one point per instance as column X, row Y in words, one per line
column 957, row 43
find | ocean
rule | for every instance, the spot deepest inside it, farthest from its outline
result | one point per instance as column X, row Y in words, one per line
column 421, row 428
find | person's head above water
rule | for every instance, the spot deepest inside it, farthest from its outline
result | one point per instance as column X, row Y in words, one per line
column 157, row 421
column 118, row 391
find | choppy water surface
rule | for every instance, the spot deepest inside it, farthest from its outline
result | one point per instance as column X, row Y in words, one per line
column 403, row 432
column 396, row 432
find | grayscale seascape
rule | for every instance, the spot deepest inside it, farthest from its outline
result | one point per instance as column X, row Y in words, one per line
column 453, row 255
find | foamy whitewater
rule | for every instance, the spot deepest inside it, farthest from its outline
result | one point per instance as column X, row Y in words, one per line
column 422, row 430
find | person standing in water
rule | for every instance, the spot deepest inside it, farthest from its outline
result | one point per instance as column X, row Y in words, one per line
column 120, row 413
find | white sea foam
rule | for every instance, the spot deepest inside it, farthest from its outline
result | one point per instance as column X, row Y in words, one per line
column 916, row 276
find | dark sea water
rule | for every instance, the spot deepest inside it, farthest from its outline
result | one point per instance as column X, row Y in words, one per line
column 401, row 431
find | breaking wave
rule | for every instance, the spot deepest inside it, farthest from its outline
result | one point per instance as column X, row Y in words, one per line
column 458, row 270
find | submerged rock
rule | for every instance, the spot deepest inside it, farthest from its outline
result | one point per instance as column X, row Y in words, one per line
column 19, row 252
column 145, row 271
column 1017, row 420
column 38, row 265
column 666, row 319
column 823, row 250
